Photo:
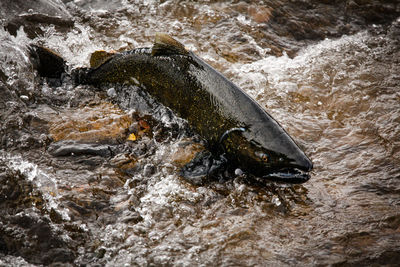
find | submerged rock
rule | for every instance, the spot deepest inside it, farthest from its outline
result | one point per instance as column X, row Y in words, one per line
column 102, row 122
column 68, row 148
column 303, row 21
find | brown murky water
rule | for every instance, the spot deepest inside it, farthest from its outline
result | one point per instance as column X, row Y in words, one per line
column 337, row 95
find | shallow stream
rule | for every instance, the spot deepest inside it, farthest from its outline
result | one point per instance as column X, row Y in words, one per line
column 338, row 95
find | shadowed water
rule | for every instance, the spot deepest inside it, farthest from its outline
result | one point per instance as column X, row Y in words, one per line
column 335, row 90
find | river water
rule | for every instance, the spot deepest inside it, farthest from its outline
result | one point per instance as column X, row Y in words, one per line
column 338, row 97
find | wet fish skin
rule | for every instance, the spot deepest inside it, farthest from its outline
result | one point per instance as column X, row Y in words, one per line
column 223, row 114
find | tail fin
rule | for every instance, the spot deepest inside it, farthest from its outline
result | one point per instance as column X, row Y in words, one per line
column 47, row 62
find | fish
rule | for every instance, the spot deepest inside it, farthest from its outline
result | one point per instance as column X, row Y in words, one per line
column 232, row 123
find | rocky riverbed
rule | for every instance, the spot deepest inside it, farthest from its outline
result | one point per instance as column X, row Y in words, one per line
column 92, row 177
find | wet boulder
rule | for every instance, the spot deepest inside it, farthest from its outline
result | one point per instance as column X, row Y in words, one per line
column 373, row 11
column 25, row 228
column 11, row 109
column 33, row 14
column 67, row 148
column 95, row 123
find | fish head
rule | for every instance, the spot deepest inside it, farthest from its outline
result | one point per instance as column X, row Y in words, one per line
column 276, row 158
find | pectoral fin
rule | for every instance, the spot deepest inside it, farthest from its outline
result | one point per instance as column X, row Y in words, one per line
column 203, row 167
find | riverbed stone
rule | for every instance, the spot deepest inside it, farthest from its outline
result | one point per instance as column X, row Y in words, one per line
column 25, row 230
column 31, row 15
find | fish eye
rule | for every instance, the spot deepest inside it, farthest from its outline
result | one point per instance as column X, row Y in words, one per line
column 262, row 156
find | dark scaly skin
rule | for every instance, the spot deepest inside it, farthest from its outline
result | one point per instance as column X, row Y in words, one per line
column 212, row 105
column 185, row 96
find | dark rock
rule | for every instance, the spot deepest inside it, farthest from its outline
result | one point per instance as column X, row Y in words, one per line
column 15, row 130
column 31, row 23
column 24, row 230
column 131, row 217
column 3, row 76
column 8, row 9
column 33, row 14
column 70, row 147
column 58, row 256
column 374, row 11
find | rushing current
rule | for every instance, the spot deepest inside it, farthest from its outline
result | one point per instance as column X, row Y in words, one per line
column 92, row 177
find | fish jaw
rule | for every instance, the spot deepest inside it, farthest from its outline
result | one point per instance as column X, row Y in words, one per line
column 278, row 159
column 293, row 176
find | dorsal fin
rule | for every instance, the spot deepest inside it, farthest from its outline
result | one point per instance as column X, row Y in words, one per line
column 99, row 57
column 165, row 45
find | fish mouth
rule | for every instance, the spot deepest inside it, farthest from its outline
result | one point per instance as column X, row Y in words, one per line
column 288, row 175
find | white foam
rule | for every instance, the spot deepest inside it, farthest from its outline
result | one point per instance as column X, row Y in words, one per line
column 283, row 74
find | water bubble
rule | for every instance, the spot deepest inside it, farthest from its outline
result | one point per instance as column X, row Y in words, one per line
column 276, row 201
column 24, row 97
column 111, row 92
column 238, row 172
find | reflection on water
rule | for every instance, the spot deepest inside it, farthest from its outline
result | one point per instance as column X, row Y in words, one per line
column 339, row 98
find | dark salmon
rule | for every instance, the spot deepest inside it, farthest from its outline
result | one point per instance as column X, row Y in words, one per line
column 230, row 121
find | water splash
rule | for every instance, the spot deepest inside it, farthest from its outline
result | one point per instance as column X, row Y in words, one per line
column 338, row 98
column 14, row 59
column 45, row 183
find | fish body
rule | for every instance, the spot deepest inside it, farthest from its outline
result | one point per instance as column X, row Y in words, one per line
column 230, row 120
